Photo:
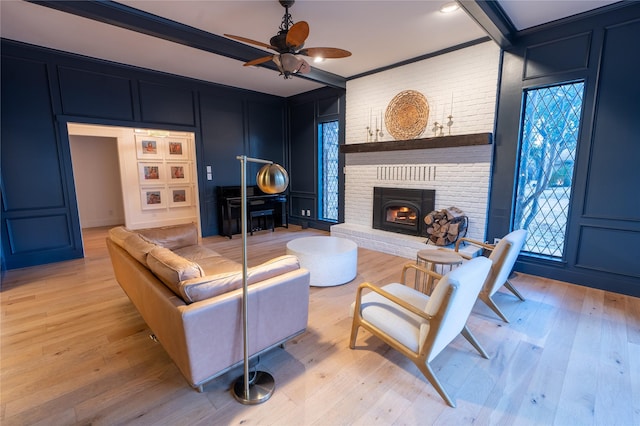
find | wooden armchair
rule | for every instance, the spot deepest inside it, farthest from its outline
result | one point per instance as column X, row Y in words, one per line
column 504, row 256
column 421, row 326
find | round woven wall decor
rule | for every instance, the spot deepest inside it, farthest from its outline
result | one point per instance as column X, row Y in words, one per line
column 407, row 114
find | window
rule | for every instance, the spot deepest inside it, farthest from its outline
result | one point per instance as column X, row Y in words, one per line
column 328, row 173
column 549, row 138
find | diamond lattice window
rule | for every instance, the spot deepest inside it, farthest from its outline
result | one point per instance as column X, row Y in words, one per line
column 328, row 136
column 549, row 139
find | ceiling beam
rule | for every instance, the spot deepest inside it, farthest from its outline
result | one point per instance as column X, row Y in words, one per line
column 113, row 13
column 492, row 18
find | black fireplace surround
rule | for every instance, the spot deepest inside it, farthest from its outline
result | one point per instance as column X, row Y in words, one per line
column 402, row 210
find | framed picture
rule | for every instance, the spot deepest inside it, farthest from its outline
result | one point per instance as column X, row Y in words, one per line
column 153, row 198
column 177, row 149
column 149, row 148
column 151, row 173
column 178, row 173
column 179, row 196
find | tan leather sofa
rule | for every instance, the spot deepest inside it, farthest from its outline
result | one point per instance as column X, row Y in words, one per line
column 191, row 298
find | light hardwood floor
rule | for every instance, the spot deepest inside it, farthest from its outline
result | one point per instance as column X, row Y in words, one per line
column 75, row 351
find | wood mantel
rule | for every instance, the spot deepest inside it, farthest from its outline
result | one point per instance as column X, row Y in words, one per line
column 424, row 143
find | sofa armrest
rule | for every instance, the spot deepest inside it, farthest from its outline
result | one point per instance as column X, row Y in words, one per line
column 278, row 310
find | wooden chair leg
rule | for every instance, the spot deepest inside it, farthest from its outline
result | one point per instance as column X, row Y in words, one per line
column 426, row 370
column 490, row 303
column 513, row 290
column 355, row 326
column 474, row 342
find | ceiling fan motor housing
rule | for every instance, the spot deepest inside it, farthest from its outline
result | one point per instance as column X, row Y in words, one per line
column 287, row 3
column 279, row 41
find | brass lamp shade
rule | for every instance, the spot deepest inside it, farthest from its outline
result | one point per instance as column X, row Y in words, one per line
column 272, row 179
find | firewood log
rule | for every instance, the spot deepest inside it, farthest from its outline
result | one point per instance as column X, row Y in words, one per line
column 454, row 229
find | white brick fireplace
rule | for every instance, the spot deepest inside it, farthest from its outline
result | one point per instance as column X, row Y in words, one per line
column 459, row 175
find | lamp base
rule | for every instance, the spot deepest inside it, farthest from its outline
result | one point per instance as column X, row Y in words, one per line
column 260, row 389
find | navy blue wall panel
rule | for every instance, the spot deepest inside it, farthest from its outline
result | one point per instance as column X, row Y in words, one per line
column 615, row 151
column 303, row 148
column 603, row 228
column 564, row 55
column 622, row 262
column 166, row 104
column 329, row 107
column 92, row 94
column 266, row 131
column 43, row 89
column 222, row 140
column 37, row 210
column 29, row 143
column 26, row 233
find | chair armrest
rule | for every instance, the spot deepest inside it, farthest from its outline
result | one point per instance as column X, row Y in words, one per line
column 462, row 255
column 474, row 242
column 389, row 296
column 418, row 268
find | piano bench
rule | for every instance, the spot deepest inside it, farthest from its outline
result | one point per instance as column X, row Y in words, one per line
column 266, row 214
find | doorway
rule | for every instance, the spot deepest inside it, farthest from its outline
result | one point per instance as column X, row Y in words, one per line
column 96, row 172
column 111, row 188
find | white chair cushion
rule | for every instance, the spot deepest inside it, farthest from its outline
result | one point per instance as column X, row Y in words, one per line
column 392, row 319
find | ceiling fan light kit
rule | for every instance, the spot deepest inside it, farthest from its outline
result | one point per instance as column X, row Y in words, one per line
column 288, row 44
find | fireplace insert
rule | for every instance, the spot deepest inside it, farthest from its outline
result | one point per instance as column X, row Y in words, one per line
column 402, row 210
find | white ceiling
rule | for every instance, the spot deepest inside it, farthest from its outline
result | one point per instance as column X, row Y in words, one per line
column 378, row 33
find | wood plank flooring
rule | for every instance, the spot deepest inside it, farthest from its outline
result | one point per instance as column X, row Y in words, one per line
column 75, row 351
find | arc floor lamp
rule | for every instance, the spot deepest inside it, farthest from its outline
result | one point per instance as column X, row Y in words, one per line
column 271, row 179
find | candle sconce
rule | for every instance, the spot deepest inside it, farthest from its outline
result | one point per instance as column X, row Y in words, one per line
column 371, row 135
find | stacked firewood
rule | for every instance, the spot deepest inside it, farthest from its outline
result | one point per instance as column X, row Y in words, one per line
column 445, row 226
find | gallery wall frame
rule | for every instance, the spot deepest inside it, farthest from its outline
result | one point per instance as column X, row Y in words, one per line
column 150, row 148
column 153, row 198
column 180, row 196
column 176, row 149
column 151, row 173
column 178, row 173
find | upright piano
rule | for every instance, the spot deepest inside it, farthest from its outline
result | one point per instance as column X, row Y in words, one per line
column 229, row 199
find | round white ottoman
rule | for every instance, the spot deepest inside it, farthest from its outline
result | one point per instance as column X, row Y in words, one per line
column 330, row 260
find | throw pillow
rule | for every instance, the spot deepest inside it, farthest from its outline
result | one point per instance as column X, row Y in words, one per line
column 198, row 289
column 171, row 268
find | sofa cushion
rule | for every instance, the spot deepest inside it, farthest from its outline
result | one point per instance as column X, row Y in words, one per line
column 138, row 247
column 172, row 268
column 172, row 237
column 119, row 234
column 214, row 265
column 196, row 289
column 195, row 253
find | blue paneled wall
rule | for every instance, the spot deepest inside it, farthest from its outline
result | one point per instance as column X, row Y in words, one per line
column 43, row 90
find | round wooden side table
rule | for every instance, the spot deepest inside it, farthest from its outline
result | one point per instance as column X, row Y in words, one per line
column 430, row 258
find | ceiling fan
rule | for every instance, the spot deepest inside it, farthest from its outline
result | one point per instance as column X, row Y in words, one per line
column 289, row 45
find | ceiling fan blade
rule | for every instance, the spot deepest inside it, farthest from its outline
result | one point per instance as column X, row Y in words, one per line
column 325, row 52
column 297, row 34
column 248, row 40
column 258, row 61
